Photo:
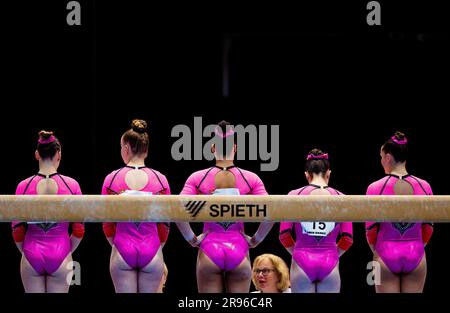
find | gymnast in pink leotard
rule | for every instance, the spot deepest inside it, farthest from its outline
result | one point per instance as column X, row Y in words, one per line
column 223, row 259
column 317, row 245
column 137, row 262
column 399, row 247
column 46, row 247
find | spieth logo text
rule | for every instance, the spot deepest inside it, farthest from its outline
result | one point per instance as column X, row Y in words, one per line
column 226, row 210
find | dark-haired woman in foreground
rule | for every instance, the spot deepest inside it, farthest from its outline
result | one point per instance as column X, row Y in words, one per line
column 317, row 245
column 46, row 247
column 399, row 248
column 137, row 262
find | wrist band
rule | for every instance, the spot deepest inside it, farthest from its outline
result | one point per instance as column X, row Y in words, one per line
column 193, row 241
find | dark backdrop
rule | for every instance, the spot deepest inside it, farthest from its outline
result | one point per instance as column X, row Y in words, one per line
column 328, row 82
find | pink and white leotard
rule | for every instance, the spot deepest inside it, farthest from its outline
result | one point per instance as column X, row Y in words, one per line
column 137, row 243
column 316, row 243
column 400, row 245
column 46, row 244
column 224, row 243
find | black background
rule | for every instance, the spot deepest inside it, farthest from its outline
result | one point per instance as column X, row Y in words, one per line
column 317, row 70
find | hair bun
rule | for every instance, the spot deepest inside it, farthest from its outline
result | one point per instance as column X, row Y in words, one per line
column 139, row 126
column 43, row 134
column 399, row 135
column 317, row 154
column 46, row 137
column 399, row 138
column 224, row 129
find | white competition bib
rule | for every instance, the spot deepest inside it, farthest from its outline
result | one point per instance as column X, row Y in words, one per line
column 317, row 229
column 136, row 193
column 227, row 192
